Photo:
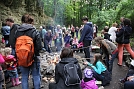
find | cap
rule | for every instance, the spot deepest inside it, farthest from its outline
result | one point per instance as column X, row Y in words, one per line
column 88, row 73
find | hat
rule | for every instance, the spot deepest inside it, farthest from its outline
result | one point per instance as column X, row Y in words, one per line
column 41, row 27
column 88, row 73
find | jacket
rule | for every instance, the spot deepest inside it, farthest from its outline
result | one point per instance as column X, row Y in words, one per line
column 87, row 32
column 48, row 39
column 99, row 67
column 59, row 74
column 29, row 30
column 89, row 84
column 128, row 31
column 5, row 30
column 12, row 35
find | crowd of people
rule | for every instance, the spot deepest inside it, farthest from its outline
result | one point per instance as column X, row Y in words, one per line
column 66, row 41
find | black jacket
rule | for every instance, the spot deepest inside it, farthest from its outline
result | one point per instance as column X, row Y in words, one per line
column 12, row 35
column 29, row 30
column 59, row 74
column 127, row 30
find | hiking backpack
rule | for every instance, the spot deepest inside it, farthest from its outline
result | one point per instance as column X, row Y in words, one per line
column 24, row 50
column 71, row 76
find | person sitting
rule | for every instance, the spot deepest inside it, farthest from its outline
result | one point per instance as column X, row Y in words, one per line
column 89, row 81
column 66, row 58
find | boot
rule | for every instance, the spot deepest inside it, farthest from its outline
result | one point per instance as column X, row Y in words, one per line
column 17, row 81
column 13, row 82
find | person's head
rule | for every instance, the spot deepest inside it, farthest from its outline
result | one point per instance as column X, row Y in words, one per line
column 58, row 26
column 41, row 27
column 106, row 28
column 84, row 20
column 114, row 24
column 97, row 57
column 126, row 22
column 98, row 40
column 66, row 53
column 26, row 18
column 88, row 73
column 7, row 51
column 10, row 21
column 121, row 19
column 49, row 32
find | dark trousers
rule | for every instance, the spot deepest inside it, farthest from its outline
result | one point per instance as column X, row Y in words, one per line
column 86, row 45
column 129, row 84
column 52, row 85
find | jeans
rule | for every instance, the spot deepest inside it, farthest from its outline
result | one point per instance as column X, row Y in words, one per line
column 35, row 69
column 86, row 44
column 12, row 73
column 109, row 62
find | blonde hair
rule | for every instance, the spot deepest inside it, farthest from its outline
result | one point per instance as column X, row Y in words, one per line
column 7, row 51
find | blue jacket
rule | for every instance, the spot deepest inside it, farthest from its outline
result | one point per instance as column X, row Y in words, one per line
column 5, row 30
column 128, row 31
column 67, row 39
column 87, row 32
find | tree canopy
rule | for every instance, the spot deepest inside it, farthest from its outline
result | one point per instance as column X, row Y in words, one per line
column 100, row 12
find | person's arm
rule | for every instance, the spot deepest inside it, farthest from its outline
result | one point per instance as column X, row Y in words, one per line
column 97, row 68
column 83, row 33
column 57, row 77
column 79, row 72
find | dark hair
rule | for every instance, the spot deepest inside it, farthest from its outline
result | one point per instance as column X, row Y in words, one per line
column 84, row 19
column 66, row 53
column 3, row 24
column 10, row 19
column 27, row 19
column 126, row 21
column 106, row 28
column 98, row 57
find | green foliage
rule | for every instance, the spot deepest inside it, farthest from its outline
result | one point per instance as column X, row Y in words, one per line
column 101, row 12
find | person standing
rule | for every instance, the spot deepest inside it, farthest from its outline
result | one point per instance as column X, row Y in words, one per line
column 28, row 29
column 126, row 43
column 48, row 41
column 5, row 32
column 112, row 32
column 86, row 36
column 14, row 27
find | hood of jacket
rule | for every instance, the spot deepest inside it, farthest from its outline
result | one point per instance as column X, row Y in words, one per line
column 67, row 60
column 25, row 27
column 90, row 24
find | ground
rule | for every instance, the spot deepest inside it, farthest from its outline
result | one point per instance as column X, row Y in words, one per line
column 118, row 72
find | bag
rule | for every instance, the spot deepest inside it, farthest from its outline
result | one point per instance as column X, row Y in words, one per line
column 24, row 50
column 71, row 76
column 120, row 39
column 1, row 59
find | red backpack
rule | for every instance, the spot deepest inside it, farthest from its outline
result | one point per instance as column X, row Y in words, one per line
column 24, row 50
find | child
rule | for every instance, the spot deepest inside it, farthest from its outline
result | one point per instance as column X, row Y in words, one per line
column 100, row 72
column 1, row 73
column 74, row 44
column 67, row 39
column 11, row 65
column 88, row 82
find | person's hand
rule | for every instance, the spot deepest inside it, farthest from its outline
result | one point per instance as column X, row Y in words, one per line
column 85, row 63
column 130, row 78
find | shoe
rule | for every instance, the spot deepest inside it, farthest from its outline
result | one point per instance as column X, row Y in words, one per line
column 122, row 80
column 17, row 81
column 13, row 82
column 119, row 64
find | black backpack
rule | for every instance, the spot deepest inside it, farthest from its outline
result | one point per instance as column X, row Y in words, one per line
column 71, row 76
